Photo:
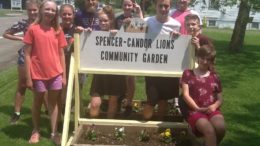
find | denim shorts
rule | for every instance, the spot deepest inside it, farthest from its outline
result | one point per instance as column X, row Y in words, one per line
column 21, row 57
column 51, row 84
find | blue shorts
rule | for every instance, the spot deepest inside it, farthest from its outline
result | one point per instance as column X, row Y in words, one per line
column 21, row 57
column 44, row 85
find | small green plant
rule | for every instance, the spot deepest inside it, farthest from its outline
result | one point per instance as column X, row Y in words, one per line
column 119, row 133
column 166, row 136
column 144, row 136
column 91, row 133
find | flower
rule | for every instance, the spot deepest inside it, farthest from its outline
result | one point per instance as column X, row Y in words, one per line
column 166, row 136
column 136, row 107
column 119, row 133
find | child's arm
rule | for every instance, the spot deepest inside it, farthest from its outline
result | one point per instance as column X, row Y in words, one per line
column 27, row 55
column 63, row 65
column 138, row 11
column 10, row 34
column 216, row 105
column 188, row 99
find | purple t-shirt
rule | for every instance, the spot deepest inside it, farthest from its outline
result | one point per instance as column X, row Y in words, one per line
column 86, row 19
column 203, row 90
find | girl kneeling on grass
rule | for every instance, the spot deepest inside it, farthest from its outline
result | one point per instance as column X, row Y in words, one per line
column 202, row 92
column 45, row 66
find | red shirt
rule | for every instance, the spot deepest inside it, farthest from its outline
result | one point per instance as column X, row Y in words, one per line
column 45, row 56
column 203, row 90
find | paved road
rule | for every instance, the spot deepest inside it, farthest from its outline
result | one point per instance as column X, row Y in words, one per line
column 8, row 48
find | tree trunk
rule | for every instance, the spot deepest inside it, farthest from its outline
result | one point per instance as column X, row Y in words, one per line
column 237, row 40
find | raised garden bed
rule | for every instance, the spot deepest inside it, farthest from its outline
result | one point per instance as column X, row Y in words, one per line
column 95, row 132
column 105, row 135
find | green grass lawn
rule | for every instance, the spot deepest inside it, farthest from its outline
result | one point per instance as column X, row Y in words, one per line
column 240, row 78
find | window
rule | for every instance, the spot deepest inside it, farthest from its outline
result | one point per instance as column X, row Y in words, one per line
column 212, row 23
column 255, row 25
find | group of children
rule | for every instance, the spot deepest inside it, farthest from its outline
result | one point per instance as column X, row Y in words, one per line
column 41, row 62
column 47, row 54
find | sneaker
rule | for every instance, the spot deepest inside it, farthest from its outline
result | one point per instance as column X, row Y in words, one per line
column 35, row 137
column 14, row 118
column 128, row 110
column 56, row 139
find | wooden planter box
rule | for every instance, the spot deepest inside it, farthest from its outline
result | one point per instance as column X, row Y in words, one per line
column 105, row 136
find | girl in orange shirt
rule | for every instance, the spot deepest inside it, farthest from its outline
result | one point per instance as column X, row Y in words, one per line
column 45, row 66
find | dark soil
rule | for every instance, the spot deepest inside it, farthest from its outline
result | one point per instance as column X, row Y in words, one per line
column 105, row 136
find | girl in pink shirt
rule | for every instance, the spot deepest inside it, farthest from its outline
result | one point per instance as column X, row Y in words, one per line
column 45, row 66
column 181, row 12
column 202, row 91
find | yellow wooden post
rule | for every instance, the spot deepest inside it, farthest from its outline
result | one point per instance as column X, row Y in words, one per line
column 76, row 90
column 68, row 103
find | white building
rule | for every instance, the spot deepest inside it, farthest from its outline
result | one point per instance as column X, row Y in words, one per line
column 225, row 17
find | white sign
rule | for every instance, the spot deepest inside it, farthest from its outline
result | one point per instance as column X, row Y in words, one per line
column 16, row 4
column 134, row 54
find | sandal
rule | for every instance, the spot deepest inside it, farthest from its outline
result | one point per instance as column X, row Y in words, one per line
column 55, row 137
column 35, row 137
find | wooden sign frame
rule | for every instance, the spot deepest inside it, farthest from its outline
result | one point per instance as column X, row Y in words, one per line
column 73, row 81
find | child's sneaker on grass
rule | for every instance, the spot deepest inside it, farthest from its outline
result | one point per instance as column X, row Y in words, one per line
column 14, row 118
column 35, row 137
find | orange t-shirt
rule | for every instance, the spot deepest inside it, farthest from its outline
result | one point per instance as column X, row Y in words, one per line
column 45, row 58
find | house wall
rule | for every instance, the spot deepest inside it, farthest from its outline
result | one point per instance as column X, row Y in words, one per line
column 225, row 17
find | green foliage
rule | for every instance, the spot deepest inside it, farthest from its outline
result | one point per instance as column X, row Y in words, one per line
column 79, row 4
column 91, row 133
column 119, row 133
column 144, row 136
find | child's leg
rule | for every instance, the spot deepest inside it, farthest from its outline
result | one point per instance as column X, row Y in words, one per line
column 130, row 89
column 112, row 107
column 207, row 130
column 148, row 111
column 53, row 108
column 162, row 109
column 219, row 124
column 45, row 101
column 21, row 88
column 36, row 109
column 95, row 106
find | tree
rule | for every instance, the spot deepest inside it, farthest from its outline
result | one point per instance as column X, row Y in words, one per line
column 243, row 18
column 237, row 39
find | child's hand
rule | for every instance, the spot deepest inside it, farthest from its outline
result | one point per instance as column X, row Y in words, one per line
column 174, row 35
column 113, row 32
column 127, row 21
column 196, row 42
column 202, row 109
column 79, row 29
column 29, row 84
column 137, row 7
column 88, row 29
column 64, row 81
column 211, row 108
